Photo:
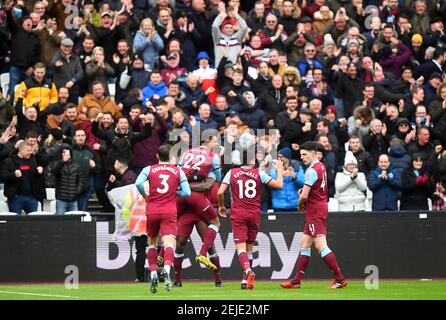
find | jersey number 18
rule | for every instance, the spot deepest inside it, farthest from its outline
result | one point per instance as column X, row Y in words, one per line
column 247, row 189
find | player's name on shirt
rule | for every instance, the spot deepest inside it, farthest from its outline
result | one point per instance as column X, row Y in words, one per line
column 246, row 173
column 172, row 169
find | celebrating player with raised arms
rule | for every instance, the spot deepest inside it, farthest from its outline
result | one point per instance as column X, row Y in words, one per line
column 245, row 183
column 161, row 210
column 313, row 199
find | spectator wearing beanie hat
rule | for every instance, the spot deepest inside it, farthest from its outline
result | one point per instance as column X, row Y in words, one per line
column 57, row 119
column 350, row 185
column 286, row 199
column 418, row 50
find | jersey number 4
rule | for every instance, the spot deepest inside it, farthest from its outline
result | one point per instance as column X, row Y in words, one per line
column 193, row 160
column 247, row 189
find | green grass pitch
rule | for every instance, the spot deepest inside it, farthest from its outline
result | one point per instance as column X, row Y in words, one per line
column 311, row 290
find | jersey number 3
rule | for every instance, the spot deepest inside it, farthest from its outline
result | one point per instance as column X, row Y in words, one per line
column 165, row 186
column 247, row 189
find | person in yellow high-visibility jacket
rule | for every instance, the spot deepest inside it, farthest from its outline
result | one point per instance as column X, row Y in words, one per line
column 134, row 211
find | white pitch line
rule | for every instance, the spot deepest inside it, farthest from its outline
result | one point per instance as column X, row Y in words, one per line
column 37, row 294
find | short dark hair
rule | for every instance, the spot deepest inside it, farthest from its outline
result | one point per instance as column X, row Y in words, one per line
column 122, row 117
column 89, row 37
column 309, row 146
column 291, row 98
column 98, row 82
column 164, row 152
column 368, row 85
column 124, row 161
column 438, row 52
column 70, row 106
column 31, row 134
column 136, row 106
column 155, row 71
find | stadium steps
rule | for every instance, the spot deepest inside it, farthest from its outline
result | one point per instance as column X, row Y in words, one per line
column 93, row 204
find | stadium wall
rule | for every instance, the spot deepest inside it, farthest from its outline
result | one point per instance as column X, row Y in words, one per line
column 400, row 245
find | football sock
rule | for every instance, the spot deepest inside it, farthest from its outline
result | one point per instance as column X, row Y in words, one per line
column 151, row 257
column 250, row 257
column 168, row 256
column 244, row 261
column 153, row 274
column 167, row 268
column 178, row 265
column 209, row 238
column 330, row 261
column 217, row 272
column 302, row 264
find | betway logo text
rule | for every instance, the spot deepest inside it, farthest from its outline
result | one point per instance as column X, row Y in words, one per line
column 226, row 250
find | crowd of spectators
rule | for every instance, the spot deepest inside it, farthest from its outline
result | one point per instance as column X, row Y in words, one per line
column 95, row 87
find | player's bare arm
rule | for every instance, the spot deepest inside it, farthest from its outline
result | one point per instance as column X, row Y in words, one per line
column 303, row 196
column 221, row 200
column 277, row 183
column 203, row 186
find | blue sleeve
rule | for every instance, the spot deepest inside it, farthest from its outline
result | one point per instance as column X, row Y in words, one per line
column 300, row 177
column 265, row 177
column 273, row 173
column 216, row 167
column 143, row 176
column 310, row 177
column 373, row 181
column 227, row 178
column 184, row 186
column 212, row 175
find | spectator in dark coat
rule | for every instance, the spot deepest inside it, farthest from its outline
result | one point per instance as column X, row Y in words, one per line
column 349, row 88
column 23, row 180
column 203, row 119
column 298, row 131
column 144, row 152
column 98, row 69
column 235, row 88
column 271, row 100
column 422, row 145
column 123, row 175
column 430, row 88
column 376, row 142
column 385, row 183
column 134, row 76
column 252, row 115
column 121, row 141
column 67, row 69
column 399, row 158
column 69, row 182
column 220, row 110
column 25, row 49
column 417, row 185
column 31, row 120
column 195, row 96
column 431, row 66
column 365, row 162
